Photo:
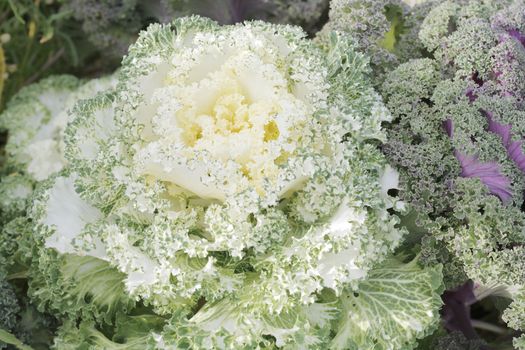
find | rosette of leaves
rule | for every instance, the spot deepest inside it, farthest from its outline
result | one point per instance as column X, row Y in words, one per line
column 232, row 184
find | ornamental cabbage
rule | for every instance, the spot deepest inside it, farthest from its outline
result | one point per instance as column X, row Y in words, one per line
column 35, row 119
column 232, row 183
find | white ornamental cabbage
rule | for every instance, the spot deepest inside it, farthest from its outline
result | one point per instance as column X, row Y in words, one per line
column 233, row 177
column 35, row 119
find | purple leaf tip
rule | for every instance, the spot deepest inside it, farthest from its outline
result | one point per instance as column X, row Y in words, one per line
column 489, row 174
column 514, row 150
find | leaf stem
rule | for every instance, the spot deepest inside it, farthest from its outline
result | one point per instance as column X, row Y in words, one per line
column 488, row 327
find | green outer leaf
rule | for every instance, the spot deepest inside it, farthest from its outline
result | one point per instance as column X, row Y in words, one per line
column 8, row 338
column 394, row 307
column 131, row 333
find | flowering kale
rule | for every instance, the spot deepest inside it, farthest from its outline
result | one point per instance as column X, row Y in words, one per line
column 232, row 184
column 35, row 119
column 489, row 173
column 457, row 138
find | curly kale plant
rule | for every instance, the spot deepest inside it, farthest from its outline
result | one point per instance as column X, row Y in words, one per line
column 386, row 30
column 457, row 135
